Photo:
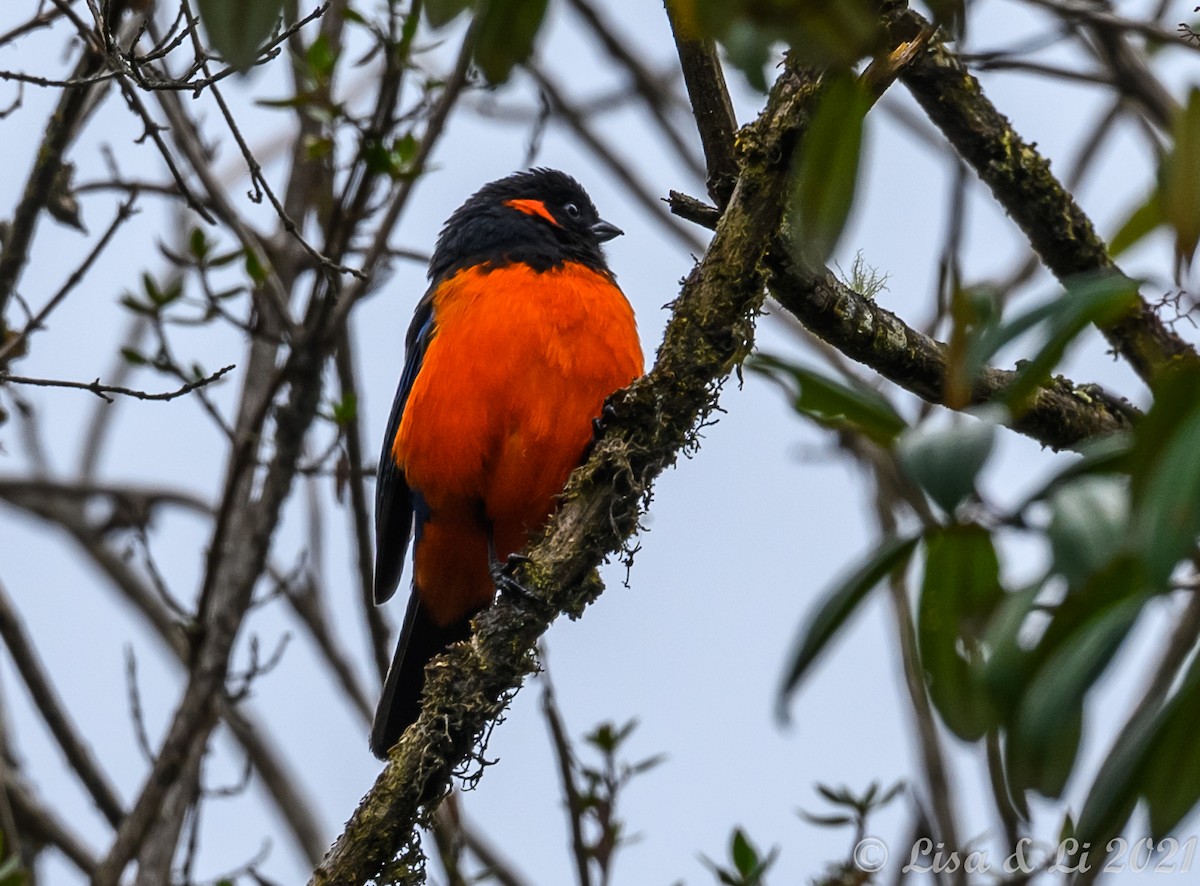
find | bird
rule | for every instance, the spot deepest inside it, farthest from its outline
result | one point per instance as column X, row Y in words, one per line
column 511, row 354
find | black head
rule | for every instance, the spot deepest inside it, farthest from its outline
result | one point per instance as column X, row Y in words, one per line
column 542, row 218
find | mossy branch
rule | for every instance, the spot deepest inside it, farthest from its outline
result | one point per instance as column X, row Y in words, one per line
column 1061, row 414
column 1021, row 181
column 710, row 331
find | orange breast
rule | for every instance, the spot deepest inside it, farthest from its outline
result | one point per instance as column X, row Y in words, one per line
column 501, row 412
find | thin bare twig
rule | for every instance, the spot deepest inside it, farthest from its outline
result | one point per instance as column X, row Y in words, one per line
column 102, row 391
column 566, row 771
column 360, row 521
column 49, row 704
column 619, row 168
column 17, row 343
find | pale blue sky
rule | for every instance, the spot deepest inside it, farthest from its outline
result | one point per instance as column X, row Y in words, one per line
column 742, row 538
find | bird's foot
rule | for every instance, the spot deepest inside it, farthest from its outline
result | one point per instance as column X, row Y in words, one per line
column 507, row 584
column 600, row 423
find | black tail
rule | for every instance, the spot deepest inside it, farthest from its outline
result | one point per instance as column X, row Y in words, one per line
column 400, row 704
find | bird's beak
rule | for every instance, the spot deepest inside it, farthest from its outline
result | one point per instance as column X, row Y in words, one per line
column 605, row 231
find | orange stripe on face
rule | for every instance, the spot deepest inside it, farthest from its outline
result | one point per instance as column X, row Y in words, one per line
column 533, row 207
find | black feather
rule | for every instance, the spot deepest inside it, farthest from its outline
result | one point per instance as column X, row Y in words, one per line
column 393, row 497
column 485, row 231
column 400, row 705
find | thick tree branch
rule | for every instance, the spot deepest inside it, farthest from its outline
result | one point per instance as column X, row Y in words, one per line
column 653, row 421
column 1021, row 181
column 711, row 106
column 1061, row 415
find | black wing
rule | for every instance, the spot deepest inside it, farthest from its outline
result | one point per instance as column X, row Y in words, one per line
column 393, row 497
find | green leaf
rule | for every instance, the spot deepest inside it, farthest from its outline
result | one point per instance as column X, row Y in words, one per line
column 1174, row 398
column 1061, row 684
column 321, row 58
column 238, row 28
column 946, row 462
column 960, row 589
column 833, row 404
column 345, row 411
column 133, row 357
column 1009, row 665
column 198, row 245
column 1141, row 222
column 829, row 34
column 749, row 49
column 1114, row 793
column 744, row 855
column 1067, row 831
column 1168, row 516
column 974, row 316
column 826, row 173
column 1170, row 780
column 1087, row 301
column 1036, row 686
column 1159, row 760
column 826, row 821
column 441, row 12
column 1179, row 181
column 163, row 297
column 837, row 606
column 504, row 35
column 1089, row 524
column 131, row 302
column 1044, row 767
column 254, row 267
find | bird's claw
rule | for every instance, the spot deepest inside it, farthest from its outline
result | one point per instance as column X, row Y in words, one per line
column 600, row 423
column 507, row 583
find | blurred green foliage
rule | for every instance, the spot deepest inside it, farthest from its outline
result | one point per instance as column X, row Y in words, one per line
column 1016, row 663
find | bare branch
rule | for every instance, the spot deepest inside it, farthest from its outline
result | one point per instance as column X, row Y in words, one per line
column 61, row 130
column 566, row 771
column 102, row 391
column 619, row 168
column 44, row 824
column 46, row 699
column 360, row 521
column 17, row 343
column 648, row 87
column 711, row 107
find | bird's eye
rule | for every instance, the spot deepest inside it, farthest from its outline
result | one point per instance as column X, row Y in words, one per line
column 572, row 210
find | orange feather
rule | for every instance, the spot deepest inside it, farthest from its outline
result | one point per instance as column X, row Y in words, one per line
column 501, row 412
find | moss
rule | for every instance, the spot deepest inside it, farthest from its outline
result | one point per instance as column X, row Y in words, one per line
column 711, row 330
column 1022, row 182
